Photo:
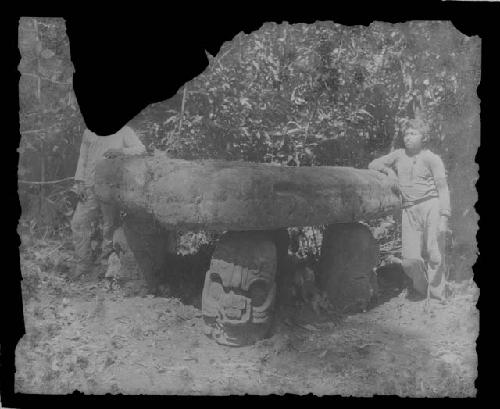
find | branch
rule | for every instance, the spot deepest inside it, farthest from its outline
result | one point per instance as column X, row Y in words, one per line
column 182, row 110
column 49, row 182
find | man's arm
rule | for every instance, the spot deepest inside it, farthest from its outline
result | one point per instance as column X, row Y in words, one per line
column 439, row 174
column 385, row 164
column 444, row 196
column 83, row 158
column 132, row 145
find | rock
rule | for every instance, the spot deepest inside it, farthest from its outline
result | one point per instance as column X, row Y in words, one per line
column 148, row 244
column 160, row 195
column 114, row 267
column 221, row 195
column 239, row 291
column 128, row 263
column 349, row 254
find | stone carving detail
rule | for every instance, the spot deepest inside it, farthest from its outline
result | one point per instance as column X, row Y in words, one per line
column 239, row 292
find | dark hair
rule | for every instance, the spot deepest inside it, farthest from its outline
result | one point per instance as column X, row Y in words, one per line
column 420, row 126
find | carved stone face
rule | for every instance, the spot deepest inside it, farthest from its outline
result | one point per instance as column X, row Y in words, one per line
column 239, row 292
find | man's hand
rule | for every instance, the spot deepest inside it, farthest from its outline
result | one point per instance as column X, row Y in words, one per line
column 443, row 224
column 394, row 183
column 391, row 174
column 392, row 177
column 79, row 189
column 113, row 153
column 393, row 180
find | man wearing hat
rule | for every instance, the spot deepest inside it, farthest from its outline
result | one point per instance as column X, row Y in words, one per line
column 93, row 149
column 426, row 208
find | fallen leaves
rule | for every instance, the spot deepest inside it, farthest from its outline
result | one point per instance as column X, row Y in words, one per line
column 70, row 345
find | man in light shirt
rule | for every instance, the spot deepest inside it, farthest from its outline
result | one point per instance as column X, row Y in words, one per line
column 93, row 149
column 426, row 209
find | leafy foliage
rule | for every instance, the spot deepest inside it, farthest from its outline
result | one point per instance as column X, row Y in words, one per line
column 50, row 123
column 320, row 94
column 325, row 94
column 297, row 95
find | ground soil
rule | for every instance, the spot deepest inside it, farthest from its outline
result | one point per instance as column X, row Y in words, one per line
column 80, row 336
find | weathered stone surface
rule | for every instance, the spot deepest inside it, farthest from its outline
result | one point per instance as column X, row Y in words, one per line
column 148, row 243
column 349, row 254
column 218, row 195
column 239, row 292
column 128, row 265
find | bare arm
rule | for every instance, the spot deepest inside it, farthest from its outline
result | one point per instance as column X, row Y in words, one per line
column 438, row 172
column 132, row 145
column 444, row 196
column 83, row 158
column 385, row 164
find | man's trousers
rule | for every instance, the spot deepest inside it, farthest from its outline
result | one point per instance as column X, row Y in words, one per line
column 423, row 247
column 87, row 212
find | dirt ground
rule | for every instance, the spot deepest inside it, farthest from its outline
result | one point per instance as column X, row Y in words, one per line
column 79, row 336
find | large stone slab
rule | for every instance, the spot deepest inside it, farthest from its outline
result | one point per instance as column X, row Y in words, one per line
column 220, row 195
